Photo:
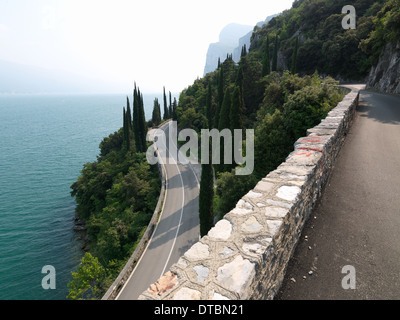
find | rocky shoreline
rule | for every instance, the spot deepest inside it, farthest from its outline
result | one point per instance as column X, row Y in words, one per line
column 81, row 229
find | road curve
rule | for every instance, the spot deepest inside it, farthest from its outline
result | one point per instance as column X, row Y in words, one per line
column 357, row 221
column 177, row 230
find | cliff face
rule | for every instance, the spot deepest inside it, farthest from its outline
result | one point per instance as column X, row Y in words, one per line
column 231, row 41
column 228, row 41
column 385, row 76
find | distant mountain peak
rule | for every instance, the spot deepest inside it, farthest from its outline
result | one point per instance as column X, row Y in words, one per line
column 231, row 40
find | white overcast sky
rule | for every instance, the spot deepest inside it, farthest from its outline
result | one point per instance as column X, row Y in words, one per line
column 154, row 42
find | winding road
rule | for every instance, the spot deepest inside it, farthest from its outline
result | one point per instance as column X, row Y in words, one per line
column 178, row 229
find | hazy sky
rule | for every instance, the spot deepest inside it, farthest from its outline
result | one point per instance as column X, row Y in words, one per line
column 152, row 42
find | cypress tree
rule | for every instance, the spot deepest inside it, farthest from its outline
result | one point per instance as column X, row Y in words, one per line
column 174, row 107
column 128, row 113
column 235, row 115
column 126, row 131
column 275, row 55
column 220, row 88
column 224, row 123
column 136, row 107
column 166, row 115
column 142, row 124
column 156, row 116
column 235, row 112
column 294, row 57
column 170, row 105
column 139, row 121
column 206, row 197
column 124, row 125
column 244, row 51
column 266, row 60
column 209, row 106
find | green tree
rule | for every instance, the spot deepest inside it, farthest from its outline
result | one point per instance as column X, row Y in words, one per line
column 220, row 91
column 174, row 110
column 139, row 121
column 266, row 59
column 86, row 283
column 272, row 144
column 206, row 197
column 166, row 114
column 244, row 51
column 224, row 123
column 170, row 111
column 275, row 54
column 293, row 69
column 209, row 113
column 156, row 116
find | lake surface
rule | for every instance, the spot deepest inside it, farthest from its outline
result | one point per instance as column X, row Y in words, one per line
column 44, row 142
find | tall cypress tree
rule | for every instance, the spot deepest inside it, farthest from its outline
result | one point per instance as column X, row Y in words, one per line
column 128, row 112
column 224, row 123
column 235, row 112
column 170, row 105
column 156, row 116
column 220, row 89
column 294, row 57
column 124, row 129
column 275, row 55
column 209, row 106
column 266, row 60
column 235, row 115
column 166, row 115
column 244, row 51
column 139, row 121
column 136, row 126
column 142, row 124
column 174, row 107
column 206, row 197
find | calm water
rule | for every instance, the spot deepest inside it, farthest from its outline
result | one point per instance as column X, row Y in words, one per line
column 44, row 142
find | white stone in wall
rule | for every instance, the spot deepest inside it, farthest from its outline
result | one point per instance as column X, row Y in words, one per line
column 187, row 294
column 202, row 272
column 251, row 225
column 237, row 276
column 253, row 248
column 288, row 193
column 243, row 207
column 198, row 251
column 273, row 226
column 273, row 212
column 279, row 204
column 253, row 194
column 218, row 296
column 226, row 253
column 222, row 230
column 264, row 186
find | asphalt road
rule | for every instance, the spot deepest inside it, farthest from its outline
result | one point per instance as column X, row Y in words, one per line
column 177, row 230
column 357, row 221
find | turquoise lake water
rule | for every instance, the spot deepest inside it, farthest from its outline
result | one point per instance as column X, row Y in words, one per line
column 44, row 142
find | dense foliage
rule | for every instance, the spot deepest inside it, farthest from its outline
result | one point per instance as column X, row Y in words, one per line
column 116, row 197
column 280, row 107
column 323, row 44
column 386, row 29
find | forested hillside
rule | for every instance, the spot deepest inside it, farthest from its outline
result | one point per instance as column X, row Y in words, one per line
column 281, row 87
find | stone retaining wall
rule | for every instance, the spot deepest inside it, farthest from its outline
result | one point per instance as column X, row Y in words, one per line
column 246, row 254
